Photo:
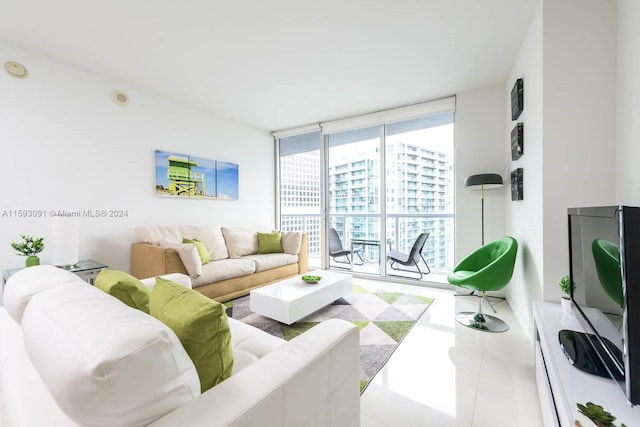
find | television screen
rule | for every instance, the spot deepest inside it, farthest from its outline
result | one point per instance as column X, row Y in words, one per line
column 604, row 249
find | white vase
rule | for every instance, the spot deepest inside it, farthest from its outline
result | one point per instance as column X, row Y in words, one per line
column 567, row 305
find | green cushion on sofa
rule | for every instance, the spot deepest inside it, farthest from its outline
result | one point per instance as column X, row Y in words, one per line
column 270, row 243
column 125, row 287
column 202, row 249
column 201, row 325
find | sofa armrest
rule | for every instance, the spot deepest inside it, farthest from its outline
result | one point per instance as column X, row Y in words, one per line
column 311, row 380
column 151, row 261
column 303, row 255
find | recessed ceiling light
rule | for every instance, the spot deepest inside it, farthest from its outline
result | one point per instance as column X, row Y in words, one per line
column 15, row 69
column 120, row 98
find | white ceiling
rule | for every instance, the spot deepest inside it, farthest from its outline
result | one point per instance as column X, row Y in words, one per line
column 277, row 64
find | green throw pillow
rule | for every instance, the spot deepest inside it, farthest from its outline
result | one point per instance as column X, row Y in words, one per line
column 125, row 287
column 202, row 326
column 270, row 243
column 202, row 249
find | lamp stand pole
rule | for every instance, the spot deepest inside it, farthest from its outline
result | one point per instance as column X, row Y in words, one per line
column 482, row 216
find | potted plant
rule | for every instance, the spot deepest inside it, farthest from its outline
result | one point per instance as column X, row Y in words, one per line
column 29, row 247
column 596, row 415
column 566, row 286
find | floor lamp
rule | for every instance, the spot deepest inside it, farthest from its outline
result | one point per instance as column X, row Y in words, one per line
column 483, row 181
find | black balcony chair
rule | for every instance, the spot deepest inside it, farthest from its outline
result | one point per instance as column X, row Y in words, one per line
column 337, row 251
column 412, row 258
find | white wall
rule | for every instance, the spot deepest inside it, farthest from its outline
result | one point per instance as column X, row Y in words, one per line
column 66, row 145
column 628, row 103
column 525, row 216
column 579, row 107
column 479, row 148
column 567, row 61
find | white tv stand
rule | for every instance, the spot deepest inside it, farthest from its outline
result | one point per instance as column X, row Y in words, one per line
column 560, row 385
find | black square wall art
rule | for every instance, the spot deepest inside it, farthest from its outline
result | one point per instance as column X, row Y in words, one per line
column 517, row 141
column 517, row 99
column 516, row 185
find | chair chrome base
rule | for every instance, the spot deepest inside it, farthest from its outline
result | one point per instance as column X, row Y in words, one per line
column 480, row 321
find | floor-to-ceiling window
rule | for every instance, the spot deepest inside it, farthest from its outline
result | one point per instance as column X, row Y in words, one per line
column 374, row 184
column 299, row 188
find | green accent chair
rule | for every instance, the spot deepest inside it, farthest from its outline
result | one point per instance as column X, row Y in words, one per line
column 488, row 268
column 607, row 257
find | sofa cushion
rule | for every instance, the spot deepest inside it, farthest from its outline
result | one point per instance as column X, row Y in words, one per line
column 224, row 269
column 201, row 325
column 270, row 243
column 268, row 261
column 24, row 284
column 189, row 256
column 203, row 252
column 211, row 236
column 159, row 235
column 291, row 242
column 240, row 241
column 250, row 344
column 104, row 363
column 124, row 287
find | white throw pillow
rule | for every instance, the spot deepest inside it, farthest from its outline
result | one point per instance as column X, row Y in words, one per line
column 27, row 282
column 291, row 242
column 189, row 256
column 106, row 364
column 240, row 241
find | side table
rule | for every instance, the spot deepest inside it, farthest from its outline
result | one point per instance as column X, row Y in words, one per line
column 87, row 270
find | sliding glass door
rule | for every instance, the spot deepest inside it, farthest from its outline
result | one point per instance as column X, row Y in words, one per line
column 419, row 191
column 353, row 199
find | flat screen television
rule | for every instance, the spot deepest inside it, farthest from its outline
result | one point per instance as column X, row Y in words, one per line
column 604, row 264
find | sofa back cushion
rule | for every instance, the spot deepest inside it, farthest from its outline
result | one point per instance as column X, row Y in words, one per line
column 105, row 364
column 26, row 283
column 210, row 235
column 201, row 325
column 240, row 241
column 159, row 235
column 124, row 287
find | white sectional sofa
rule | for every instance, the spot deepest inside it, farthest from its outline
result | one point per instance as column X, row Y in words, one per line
column 71, row 355
column 236, row 266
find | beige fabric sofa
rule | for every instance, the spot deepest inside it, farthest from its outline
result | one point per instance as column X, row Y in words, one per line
column 235, row 267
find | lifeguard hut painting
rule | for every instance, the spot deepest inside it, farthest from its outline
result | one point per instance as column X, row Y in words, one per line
column 181, row 175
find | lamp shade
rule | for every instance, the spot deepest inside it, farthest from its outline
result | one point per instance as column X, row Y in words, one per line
column 483, row 181
column 65, row 241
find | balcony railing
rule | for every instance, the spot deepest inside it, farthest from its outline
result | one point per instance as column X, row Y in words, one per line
column 402, row 230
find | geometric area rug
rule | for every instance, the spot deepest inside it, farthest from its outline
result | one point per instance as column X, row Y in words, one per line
column 384, row 319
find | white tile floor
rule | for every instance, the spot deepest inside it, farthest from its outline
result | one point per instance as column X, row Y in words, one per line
column 444, row 374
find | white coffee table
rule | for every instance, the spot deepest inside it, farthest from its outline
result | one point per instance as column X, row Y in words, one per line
column 291, row 299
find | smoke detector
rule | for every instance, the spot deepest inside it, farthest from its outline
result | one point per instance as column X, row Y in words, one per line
column 14, row 69
column 120, row 97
